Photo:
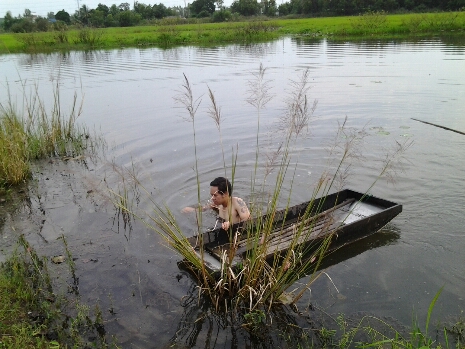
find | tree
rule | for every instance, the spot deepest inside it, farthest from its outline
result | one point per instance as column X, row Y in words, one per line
column 63, row 16
column 83, row 14
column 269, row 7
column 8, row 21
column 124, row 18
column 128, row 18
column 124, row 6
column 110, row 21
column 310, row 6
column 221, row 16
column 97, row 18
column 284, row 9
column 23, row 25
column 104, row 9
column 42, row 24
column 390, row 5
column 160, row 11
column 220, row 4
column 245, row 7
column 455, row 5
column 144, row 10
column 114, row 10
column 199, row 6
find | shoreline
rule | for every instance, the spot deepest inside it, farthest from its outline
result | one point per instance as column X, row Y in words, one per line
column 369, row 26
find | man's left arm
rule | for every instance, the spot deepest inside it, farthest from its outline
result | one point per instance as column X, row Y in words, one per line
column 242, row 210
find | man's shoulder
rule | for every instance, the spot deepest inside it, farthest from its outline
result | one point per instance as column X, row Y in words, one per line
column 238, row 201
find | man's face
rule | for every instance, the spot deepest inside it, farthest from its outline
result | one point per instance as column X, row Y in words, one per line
column 217, row 196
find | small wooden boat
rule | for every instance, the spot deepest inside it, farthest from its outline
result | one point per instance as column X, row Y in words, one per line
column 347, row 216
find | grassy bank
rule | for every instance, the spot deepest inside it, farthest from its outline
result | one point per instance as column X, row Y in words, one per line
column 33, row 315
column 167, row 33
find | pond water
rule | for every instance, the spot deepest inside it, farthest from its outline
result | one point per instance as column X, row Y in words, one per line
column 129, row 97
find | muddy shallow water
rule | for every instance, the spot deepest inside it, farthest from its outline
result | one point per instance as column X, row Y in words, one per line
column 129, row 98
column 147, row 301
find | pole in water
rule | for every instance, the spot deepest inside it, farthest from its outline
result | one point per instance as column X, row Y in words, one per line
column 445, row 128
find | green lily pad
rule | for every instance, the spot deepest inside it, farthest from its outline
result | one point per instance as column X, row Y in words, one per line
column 384, row 133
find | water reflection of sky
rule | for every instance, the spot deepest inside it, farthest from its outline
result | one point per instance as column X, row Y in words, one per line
column 418, row 77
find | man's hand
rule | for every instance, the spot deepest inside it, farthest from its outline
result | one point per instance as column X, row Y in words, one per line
column 188, row 209
column 225, row 225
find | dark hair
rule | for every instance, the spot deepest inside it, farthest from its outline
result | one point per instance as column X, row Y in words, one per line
column 224, row 186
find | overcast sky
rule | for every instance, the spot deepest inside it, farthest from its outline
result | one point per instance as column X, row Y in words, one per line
column 41, row 8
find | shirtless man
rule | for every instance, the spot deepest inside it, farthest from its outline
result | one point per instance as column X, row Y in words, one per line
column 230, row 208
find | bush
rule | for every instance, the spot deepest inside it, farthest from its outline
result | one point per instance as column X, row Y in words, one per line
column 173, row 21
column 42, row 24
column 370, row 21
column 203, row 14
column 221, row 16
column 89, row 36
column 23, row 26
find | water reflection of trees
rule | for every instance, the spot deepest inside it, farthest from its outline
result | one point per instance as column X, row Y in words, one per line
column 450, row 44
column 256, row 50
column 55, row 59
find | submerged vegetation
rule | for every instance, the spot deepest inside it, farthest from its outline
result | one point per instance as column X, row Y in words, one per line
column 175, row 32
column 35, row 133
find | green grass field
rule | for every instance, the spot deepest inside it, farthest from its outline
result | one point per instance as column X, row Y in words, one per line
column 169, row 33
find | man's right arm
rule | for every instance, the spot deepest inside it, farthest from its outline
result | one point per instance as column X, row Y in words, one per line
column 190, row 209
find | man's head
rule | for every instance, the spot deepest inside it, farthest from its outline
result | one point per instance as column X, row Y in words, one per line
column 220, row 189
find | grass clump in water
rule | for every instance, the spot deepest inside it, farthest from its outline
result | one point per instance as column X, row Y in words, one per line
column 36, row 133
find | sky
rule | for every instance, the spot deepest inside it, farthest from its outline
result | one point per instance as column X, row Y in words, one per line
column 41, row 8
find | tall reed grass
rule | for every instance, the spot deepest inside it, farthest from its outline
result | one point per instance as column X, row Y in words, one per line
column 34, row 132
column 258, row 282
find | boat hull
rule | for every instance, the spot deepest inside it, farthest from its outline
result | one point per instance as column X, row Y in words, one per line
column 346, row 216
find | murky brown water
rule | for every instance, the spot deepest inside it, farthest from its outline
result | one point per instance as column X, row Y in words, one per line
column 129, row 98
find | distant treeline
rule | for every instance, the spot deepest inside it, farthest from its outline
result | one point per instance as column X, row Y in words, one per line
column 355, row 7
column 123, row 16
